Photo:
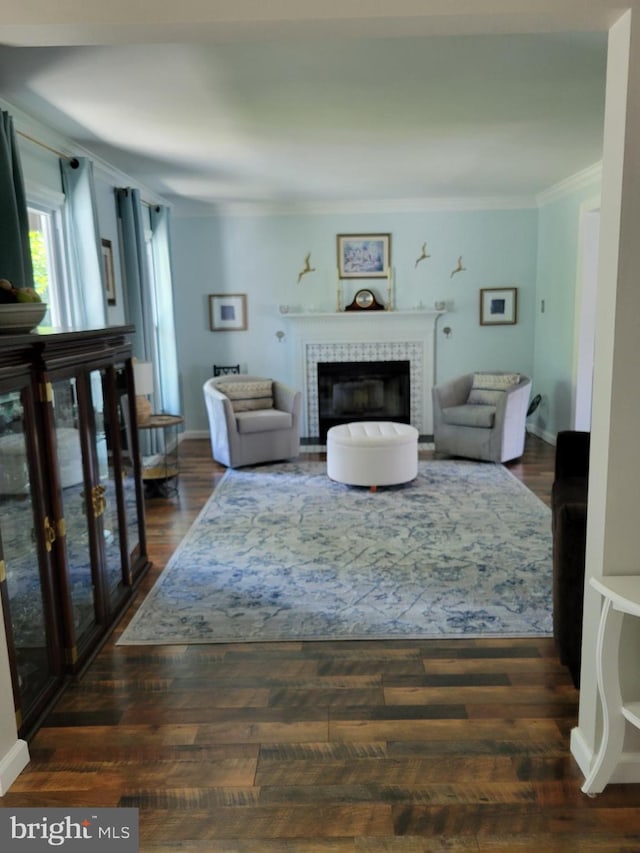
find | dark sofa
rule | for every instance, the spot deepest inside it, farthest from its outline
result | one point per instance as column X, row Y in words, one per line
column 569, row 526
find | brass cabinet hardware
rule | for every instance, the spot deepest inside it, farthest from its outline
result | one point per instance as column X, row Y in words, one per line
column 46, row 392
column 49, row 533
column 3, row 571
column 98, row 500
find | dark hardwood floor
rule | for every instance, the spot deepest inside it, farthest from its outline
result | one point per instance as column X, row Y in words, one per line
column 448, row 745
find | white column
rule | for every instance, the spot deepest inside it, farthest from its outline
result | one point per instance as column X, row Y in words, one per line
column 614, row 478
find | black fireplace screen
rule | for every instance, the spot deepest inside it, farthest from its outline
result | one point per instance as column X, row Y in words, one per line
column 362, row 391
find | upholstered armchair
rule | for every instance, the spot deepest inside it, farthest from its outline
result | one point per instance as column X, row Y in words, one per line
column 252, row 419
column 481, row 416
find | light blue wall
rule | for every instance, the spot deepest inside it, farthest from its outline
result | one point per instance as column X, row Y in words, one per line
column 555, row 329
column 262, row 255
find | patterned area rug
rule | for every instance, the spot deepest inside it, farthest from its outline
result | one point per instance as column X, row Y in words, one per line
column 280, row 552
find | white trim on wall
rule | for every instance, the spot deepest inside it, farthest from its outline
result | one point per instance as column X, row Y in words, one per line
column 12, row 764
column 585, row 314
column 570, row 185
column 370, row 206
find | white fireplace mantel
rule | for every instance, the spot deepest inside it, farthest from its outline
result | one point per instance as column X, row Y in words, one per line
column 367, row 316
column 365, row 336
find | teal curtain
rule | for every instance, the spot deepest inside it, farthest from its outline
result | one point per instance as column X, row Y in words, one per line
column 150, row 293
column 136, row 270
column 15, row 251
column 139, row 293
column 86, row 301
column 167, row 355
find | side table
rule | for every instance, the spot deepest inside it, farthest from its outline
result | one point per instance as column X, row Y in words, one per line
column 160, row 468
column 621, row 594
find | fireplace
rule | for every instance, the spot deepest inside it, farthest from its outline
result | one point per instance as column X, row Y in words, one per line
column 362, row 336
column 362, row 391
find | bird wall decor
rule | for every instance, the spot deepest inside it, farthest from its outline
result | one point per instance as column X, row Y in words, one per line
column 307, row 267
column 423, row 256
column 458, row 268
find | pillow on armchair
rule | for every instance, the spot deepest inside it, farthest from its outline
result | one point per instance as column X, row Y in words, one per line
column 249, row 396
column 487, row 388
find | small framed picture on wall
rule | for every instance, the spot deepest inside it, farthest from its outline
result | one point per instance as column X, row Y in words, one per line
column 498, row 306
column 109, row 278
column 228, row 312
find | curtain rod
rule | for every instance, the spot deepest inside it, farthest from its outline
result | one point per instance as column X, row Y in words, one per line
column 149, row 204
column 72, row 160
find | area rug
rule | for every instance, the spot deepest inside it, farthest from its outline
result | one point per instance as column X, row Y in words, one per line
column 280, row 552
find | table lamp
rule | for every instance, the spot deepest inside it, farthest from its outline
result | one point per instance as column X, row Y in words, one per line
column 143, row 381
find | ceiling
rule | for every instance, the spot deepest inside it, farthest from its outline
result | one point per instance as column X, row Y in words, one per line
column 272, row 120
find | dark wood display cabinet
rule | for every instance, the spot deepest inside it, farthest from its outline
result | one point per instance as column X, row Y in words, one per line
column 72, row 534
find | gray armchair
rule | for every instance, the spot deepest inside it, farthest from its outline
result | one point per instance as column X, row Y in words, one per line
column 481, row 416
column 252, row 419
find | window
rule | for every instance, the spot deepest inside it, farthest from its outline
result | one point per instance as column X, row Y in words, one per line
column 163, row 355
column 47, row 263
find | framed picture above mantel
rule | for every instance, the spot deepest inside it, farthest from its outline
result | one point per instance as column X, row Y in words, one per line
column 364, row 255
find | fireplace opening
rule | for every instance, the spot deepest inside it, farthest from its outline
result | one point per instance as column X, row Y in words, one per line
column 362, row 391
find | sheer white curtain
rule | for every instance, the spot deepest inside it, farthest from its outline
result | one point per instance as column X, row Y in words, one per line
column 85, row 302
column 165, row 324
column 150, row 293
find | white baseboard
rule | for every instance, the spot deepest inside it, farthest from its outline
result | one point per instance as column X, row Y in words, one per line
column 549, row 437
column 194, row 433
column 12, row 765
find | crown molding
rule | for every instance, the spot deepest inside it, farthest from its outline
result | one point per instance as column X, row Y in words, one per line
column 570, row 185
column 359, row 207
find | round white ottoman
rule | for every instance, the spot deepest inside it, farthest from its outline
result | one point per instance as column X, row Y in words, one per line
column 372, row 453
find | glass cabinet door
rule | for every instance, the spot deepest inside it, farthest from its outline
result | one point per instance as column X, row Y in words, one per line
column 25, row 577
column 100, row 502
column 114, row 512
column 132, row 526
column 80, row 578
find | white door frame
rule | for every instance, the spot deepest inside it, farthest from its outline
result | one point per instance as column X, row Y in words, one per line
column 585, row 314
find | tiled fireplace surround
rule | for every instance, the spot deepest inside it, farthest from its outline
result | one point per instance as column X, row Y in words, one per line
column 365, row 336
